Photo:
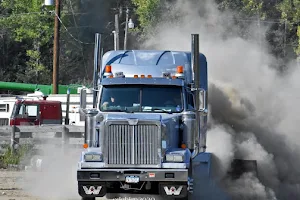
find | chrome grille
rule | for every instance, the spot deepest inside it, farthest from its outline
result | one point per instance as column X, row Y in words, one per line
column 132, row 144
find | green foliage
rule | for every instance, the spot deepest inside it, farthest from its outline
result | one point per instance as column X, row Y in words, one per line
column 146, row 11
column 281, row 17
column 15, row 157
column 27, row 20
column 298, row 34
column 290, row 12
column 28, row 23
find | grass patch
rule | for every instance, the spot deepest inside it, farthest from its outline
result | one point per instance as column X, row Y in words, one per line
column 15, row 157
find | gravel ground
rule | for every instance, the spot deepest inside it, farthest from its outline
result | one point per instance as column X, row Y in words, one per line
column 57, row 180
column 11, row 183
column 10, row 189
column 14, row 186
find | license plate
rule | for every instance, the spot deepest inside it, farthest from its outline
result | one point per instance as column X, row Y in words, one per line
column 132, row 179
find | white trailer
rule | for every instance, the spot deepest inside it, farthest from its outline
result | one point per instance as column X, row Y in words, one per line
column 7, row 104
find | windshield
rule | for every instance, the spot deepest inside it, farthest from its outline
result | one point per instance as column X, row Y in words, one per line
column 141, row 99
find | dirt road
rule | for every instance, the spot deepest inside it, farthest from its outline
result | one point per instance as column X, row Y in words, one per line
column 57, row 180
column 10, row 186
column 16, row 185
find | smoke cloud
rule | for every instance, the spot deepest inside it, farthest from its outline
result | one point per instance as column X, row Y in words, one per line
column 55, row 176
column 253, row 107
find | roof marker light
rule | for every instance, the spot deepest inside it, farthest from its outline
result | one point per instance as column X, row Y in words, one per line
column 135, row 76
column 108, row 68
column 179, row 69
column 149, row 76
column 142, row 76
column 108, row 71
column 180, row 72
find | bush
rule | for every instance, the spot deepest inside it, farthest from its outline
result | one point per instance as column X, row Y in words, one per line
column 14, row 157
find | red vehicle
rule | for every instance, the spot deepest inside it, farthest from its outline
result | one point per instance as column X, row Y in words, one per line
column 31, row 112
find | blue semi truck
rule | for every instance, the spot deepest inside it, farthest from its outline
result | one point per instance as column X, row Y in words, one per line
column 147, row 131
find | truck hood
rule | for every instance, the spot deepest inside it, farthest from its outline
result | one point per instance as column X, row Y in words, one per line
column 140, row 116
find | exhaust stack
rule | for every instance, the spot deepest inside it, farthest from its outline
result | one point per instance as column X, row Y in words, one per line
column 91, row 114
column 196, row 69
column 96, row 68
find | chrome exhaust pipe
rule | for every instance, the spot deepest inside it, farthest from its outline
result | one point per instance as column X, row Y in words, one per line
column 96, row 68
column 196, row 88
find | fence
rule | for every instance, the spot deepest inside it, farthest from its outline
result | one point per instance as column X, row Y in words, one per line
column 62, row 135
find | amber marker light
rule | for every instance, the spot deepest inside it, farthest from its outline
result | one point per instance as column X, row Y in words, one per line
column 183, row 146
column 180, row 69
column 108, row 69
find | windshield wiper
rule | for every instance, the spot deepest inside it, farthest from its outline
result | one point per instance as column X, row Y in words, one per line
column 161, row 110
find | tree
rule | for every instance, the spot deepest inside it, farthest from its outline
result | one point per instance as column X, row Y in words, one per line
column 147, row 11
column 290, row 12
column 30, row 25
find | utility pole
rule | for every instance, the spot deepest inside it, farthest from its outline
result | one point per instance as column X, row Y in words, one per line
column 56, row 47
column 116, row 33
column 126, row 29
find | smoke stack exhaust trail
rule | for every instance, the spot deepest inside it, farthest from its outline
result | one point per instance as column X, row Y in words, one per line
column 253, row 108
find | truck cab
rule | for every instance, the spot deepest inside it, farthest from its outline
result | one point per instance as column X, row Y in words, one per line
column 31, row 112
column 146, row 133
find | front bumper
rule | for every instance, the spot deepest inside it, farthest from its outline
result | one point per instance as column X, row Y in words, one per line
column 107, row 175
column 96, row 182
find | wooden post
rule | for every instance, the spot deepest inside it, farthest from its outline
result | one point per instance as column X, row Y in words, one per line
column 12, row 139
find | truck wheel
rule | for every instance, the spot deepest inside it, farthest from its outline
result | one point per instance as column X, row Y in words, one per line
column 88, row 198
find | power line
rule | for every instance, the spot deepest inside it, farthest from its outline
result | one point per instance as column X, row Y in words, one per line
column 71, row 6
column 77, row 40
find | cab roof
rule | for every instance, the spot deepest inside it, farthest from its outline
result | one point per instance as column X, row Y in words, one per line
column 150, row 62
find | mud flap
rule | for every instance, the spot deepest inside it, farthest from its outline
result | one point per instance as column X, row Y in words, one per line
column 239, row 167
column 204, row 185
column 173, row 190
column 91, row 189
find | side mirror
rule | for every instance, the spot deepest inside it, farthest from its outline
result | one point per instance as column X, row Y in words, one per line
column 202, row 101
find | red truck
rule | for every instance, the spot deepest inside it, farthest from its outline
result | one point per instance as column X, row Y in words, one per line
column 30, row 112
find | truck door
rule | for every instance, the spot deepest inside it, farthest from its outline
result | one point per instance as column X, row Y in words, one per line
column 26, row 114
column 51, row 113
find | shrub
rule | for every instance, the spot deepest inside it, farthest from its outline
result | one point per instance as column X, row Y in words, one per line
column 14, row 157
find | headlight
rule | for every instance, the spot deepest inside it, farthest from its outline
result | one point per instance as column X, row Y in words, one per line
column 174, row 158
column 93, row 157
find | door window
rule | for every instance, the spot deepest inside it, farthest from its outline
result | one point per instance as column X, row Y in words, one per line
column 31, row 110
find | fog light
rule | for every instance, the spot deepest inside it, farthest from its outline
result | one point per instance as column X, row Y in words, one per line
column 93, row 157
column 174, row 158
